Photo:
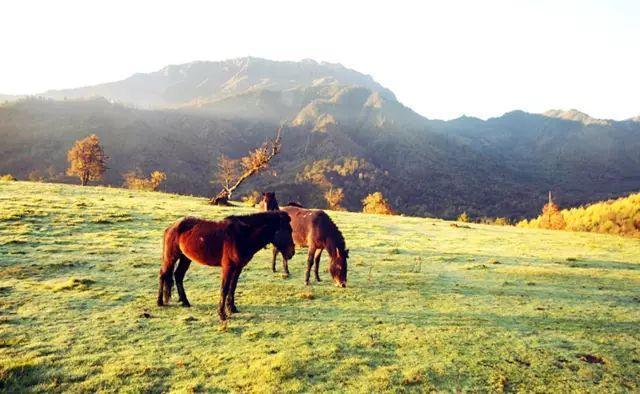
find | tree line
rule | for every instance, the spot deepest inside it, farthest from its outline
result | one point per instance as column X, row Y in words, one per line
column 88, row 161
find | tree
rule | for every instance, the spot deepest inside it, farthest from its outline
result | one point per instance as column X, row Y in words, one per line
column 233, row 172
column 87, row 160
column 334, row 197
column 376, row 203
column 551, row 217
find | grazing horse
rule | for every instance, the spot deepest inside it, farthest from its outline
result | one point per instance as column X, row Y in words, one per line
column 229, row 244
column 315, row 229
column 269, row 202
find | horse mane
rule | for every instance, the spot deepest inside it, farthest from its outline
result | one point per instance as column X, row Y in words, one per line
column 294, row 204
column 333, row 228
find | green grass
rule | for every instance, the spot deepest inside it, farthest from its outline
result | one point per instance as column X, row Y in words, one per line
column 428, row 306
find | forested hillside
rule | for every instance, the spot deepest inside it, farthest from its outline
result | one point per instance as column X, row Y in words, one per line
column 342, row 130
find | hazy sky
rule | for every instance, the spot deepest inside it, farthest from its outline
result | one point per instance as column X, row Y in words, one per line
column 441, row 58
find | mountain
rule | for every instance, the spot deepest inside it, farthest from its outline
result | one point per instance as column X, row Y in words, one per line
column 343, row 129
column 201, row 82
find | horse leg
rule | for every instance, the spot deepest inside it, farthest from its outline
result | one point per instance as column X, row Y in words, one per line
column 285, row 265
column 228, row 272
column 317, row 264
column 231, row 298
column 312, row 252
column 181, row 270
column 273, row 262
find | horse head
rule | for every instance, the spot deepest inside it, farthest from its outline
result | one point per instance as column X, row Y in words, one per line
column 338, row 267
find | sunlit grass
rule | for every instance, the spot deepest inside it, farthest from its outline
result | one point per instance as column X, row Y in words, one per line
column 428, row 306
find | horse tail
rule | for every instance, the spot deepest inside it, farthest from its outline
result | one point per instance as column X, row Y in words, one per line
column 170, row 254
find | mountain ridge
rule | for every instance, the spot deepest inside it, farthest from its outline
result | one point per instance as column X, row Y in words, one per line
column 338, row 134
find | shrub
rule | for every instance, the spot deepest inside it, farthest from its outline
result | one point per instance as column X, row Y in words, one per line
column 376, row 203
column 252, row 198
column 621, row 216
column 463, row 217
column 136, row 182
column 7, row 178
column 334, row 198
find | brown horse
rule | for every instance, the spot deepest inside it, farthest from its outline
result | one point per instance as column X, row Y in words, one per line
column 229, row 244
column 315, row 229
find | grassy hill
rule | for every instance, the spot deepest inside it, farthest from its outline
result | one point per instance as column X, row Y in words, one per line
column 428, row 305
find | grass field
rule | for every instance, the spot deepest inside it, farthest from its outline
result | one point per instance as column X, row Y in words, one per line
column 428, row 306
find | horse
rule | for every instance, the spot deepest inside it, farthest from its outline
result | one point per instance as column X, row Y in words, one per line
column 269, row 202
column 315, row 229
column 229, row 244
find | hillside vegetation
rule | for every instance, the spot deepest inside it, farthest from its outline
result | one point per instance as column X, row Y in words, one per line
column 428, row 306
column 182, row 118
column 620, row 216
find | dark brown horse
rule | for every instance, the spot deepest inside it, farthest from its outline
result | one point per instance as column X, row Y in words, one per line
column 269, row 202
column 315, row 229
column 229, row 244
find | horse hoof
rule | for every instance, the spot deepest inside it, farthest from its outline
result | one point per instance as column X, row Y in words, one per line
column 318, row 280
column 234, row 310
column 160, row 303
column 306, row 283
column 186, row 305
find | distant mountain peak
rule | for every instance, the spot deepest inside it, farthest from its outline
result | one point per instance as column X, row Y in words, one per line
column 574, row 115
column 179, row 84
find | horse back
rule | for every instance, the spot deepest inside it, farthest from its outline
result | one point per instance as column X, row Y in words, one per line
column 200, row 240
column 307, row 226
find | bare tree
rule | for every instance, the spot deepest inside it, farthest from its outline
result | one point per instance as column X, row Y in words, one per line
column 232, row 173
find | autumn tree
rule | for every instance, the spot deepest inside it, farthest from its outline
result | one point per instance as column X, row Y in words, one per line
column 334, row 198
column 233, row 172
column 376, row 203
column 87, row 160
column 551, row 217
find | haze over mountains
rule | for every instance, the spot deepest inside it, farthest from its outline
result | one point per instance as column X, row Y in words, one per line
column 343, row 130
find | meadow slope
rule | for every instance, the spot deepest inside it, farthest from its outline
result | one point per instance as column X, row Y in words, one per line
column 428, row 306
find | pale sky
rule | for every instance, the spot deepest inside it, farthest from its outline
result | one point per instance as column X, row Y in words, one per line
column 441, row 58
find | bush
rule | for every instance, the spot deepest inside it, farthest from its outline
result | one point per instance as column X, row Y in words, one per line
column 376, row 203
column 136, row 182
column 7, row 178
column 502, row 222
column 334, row 198
column 463, row 218
column 252, row 198
column 621, row 216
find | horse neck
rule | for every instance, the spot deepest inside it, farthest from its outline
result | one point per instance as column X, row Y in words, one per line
column 261, row 236
column 332, row 247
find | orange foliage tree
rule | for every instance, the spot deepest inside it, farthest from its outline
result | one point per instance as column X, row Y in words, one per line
column 87, row 160
column 551, row 217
